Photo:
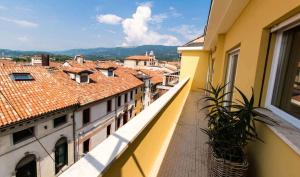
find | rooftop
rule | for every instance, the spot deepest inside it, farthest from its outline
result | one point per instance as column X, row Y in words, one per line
column 23, row 100
column 139, row 57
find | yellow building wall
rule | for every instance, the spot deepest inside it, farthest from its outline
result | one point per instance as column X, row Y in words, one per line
column 274, row 158
column 194, row 64
column 139, row 158
column 139, row 104
column 219, row 58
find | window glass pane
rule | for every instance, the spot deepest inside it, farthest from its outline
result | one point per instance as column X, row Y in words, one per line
column 230, row 73
column 119, row 100
column 286, row 94
column 61, row 154
column 125, row 98
column 110, row 73
column 86, row 146
column 21, row 76
column 108, row 130
column 23, row 135
column 86, row 116
column 59, row 121
column 108, row 106
column 83, row 78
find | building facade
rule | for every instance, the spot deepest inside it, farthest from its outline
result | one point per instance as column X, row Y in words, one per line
column 137, row 61
column 36, row 126
column 53, row 115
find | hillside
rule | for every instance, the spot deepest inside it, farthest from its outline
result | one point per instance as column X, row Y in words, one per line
column 161, row 52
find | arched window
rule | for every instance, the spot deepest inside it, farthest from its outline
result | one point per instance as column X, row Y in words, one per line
column 61, row 154
column 26, row 167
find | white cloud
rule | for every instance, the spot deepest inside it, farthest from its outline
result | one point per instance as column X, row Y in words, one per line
column 159, row 18
column 173, row 12
column 137, row 29
column 22, row 23
column 23, row 39
column 147, row 3
column 187, row 31
column 109, row 19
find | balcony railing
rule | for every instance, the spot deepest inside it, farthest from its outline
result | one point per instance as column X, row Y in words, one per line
column 137, row 148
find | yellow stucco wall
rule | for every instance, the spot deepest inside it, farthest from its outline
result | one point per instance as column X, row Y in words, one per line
column 139, row 104
column 139, row 158
column 274, row 158
column 194, row 64
column 219, row 57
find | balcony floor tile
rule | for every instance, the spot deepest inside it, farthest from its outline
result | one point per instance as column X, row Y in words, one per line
column 186, row 155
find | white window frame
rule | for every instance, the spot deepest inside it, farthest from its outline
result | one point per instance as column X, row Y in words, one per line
column 284, row 26
column 229, row 66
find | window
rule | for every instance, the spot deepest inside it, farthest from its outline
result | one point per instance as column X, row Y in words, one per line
column 61, row 154
column 119, row 100
column 130, row 113
column 135, row 103
column 110, row 73
column 86, row 146
column 83, row 78
column 26, row 167
column 118, row 122
column 286, row 91
column 125, row 118
column 126, row 99
column 59, row 121
column 21, row 76
column 108, row 108
column 86, row 116
column 23, row 135
column 135, row 91
column 145, row 63
column 108, row 130
column 131, row 95
column 230, row 72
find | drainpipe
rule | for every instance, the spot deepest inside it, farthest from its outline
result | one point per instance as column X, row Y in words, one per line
column 116, row 118
column 74, row 138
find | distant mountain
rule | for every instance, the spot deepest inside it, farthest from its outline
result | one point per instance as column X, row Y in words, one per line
column 17, row 53
column 161, row 52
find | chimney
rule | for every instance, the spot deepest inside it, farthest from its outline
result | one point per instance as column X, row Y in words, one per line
column 45, row 60
column 79, row 58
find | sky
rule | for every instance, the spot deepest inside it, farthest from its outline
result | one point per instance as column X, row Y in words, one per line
column 67, row 24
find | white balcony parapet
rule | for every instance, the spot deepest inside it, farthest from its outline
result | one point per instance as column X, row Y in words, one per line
column 97, row 160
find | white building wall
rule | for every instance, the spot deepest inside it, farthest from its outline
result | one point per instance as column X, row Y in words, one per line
column 96, row 126
column 130, row 63
column 147, row 93
column 11, row 154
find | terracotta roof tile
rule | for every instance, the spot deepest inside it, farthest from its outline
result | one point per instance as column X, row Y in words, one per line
column 106, row 65
column 156, row 76
column 21, row 100
column 100, row 86
column 138, row 57
column 52, row 89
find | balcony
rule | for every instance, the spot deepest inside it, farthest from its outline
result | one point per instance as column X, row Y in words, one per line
column 165, row 139
column 162, row 140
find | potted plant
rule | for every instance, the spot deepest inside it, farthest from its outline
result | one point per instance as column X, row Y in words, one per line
column 231, row 125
